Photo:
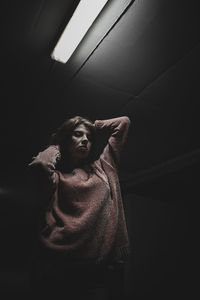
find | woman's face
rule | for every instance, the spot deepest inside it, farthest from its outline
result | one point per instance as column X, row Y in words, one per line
column 81, row 142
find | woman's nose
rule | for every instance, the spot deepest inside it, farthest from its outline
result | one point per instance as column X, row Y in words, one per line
column 85, row 139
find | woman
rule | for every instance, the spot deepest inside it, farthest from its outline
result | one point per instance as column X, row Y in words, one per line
column 83, row 235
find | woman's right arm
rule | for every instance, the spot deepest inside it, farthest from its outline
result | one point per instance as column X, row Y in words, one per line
column 44, row 164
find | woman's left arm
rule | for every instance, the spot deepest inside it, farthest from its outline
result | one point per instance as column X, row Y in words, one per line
column 117, row 128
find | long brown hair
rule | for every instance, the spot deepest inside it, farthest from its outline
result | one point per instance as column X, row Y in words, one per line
column 63, row 134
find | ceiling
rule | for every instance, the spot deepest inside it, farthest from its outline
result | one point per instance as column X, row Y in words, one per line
column 146, row 67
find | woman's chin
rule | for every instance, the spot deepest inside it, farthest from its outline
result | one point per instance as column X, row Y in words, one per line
column 83, row 152
column 82, row 156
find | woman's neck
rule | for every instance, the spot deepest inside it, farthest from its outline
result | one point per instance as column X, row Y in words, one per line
column 70, row 164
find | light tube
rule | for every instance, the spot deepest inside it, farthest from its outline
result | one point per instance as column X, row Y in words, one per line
column 82, row 19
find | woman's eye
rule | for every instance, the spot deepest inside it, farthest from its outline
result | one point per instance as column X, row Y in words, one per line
column 77, row 133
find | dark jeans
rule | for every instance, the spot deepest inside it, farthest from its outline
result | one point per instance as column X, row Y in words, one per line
column 57, row 280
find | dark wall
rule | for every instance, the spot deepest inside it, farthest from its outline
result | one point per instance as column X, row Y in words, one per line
column 162, row 218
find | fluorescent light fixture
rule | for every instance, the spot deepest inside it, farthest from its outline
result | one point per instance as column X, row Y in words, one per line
column 82, row 19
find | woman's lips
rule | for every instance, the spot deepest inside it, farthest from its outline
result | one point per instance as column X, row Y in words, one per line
column 84, row 148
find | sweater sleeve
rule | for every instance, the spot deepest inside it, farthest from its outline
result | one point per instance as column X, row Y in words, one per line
column 117, row 129
column 45, row 164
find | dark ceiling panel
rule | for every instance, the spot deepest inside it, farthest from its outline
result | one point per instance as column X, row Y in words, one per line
column 30, row 29
column 166, row 116
column 151, row 37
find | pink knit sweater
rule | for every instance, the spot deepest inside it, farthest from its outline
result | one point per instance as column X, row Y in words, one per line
column 85, row 216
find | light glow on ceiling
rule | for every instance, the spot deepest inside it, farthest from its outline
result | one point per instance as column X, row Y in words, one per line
column 82, row 19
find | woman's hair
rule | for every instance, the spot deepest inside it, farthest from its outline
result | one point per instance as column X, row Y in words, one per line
column 63, row 135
